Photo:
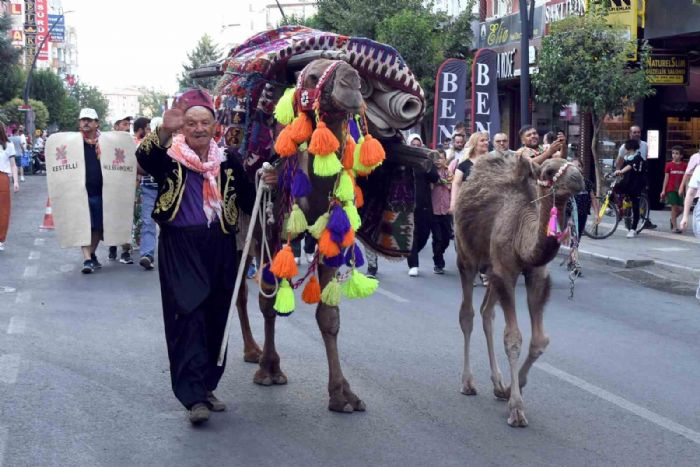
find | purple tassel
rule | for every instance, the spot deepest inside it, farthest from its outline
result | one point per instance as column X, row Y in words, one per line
column 336, row 237
column 301, row 186
column 285, row 181
column 334, row 262
column 267, row 276
column 338, row 223
column 359, row 257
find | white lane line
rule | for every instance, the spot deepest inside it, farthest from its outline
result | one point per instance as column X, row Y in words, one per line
column 34, row 255
column 30, row 271
column 39, row 241
column 3, row 442
column 623, row 403
column 17, row 325
column 23, row 296
column 391, row 295
column 9, row 367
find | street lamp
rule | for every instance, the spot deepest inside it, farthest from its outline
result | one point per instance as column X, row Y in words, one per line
column 28, row 122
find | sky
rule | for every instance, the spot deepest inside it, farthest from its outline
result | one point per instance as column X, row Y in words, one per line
column 129, row 43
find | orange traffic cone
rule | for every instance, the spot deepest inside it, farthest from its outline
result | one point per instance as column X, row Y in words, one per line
column 48, row 217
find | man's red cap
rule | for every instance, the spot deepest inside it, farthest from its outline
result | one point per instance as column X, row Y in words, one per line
column 194, row 98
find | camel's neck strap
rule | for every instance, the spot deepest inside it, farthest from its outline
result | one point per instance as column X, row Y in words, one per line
column 306, row 98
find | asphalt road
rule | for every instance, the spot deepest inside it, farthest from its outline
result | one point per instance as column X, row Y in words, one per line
column 84, row 375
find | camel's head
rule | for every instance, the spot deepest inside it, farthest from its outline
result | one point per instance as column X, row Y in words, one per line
column 338, row 83
column 562, row 176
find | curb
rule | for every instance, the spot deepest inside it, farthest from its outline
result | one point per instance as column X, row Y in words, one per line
column 614, row 261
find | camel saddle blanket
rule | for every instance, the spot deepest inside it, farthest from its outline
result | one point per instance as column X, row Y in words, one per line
column 65, row 170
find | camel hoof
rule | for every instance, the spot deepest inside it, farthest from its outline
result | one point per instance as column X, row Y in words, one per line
column 359, row 406
column 468, row 390
column 517, row 418
column 262, row 378
column 279, row 379
column 501, row 393
column 340, row 406
column 252, row 356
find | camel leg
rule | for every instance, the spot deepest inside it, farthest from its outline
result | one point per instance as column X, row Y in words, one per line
column 487, row 317
column 269, row 372
column 513, row 340
column 467, row 272
column 251, row 350
column 538, row 286
column 341, row 398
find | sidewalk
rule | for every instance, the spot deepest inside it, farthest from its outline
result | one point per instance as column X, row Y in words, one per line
column 667, row 257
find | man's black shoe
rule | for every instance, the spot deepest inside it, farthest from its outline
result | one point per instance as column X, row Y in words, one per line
column 649, row 225
column 147, row 262
column 88, row 267
column 372, row 272
column 126, row 258
column 112, row 253
column 95, row 263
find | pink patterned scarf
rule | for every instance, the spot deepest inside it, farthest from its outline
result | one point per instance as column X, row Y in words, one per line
column 182, row 153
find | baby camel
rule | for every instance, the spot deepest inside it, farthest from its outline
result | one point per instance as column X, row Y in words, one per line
column 501, row 221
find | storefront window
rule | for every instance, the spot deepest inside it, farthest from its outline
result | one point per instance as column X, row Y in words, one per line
column 682, row 131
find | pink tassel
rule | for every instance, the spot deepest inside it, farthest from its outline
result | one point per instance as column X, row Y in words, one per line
column 553, row 228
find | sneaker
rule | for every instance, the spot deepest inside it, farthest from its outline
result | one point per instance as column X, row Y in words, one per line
column 252, row 270
column 146, row 262
column 297, row 260
column 2, row 246
column 649, row 225
column 199, row 413
column 95, row 263
column 631, row 233
column 125, row 258
column 372, row 272
column 112, row 253
column 21, row 179
column 413, row 272
column 88, row 267
column 215, row 405
column 309, row 258
column 438, row 270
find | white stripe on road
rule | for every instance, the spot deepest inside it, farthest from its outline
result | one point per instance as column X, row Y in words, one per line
column 639, row 411
column 3, row 442
column 9, row 366
column 23, row 296
column 39, row 241
column 30, row 271
column 391, row 295
column 17, row 325
column 34, row 255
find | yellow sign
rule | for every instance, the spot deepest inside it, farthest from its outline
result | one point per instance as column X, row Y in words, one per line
column 16, row 36
column 667, row 69
column 625, row 13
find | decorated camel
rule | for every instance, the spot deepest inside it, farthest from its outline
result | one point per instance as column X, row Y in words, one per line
column 320, row 121
column 510, row 217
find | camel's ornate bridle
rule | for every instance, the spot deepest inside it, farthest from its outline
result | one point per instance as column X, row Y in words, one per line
column 307, row 98
column 557, row 176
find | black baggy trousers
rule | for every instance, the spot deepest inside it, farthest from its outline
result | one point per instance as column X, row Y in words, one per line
column 197, row 268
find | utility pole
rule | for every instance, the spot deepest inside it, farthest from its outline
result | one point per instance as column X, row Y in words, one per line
column 526, row 20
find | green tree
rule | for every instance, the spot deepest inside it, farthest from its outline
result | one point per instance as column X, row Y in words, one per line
column 151, row 102
column 12, row 114
column 48, row 88
column 585, row 60
column 293, row 19
column 81, row 96
column 361, row 17
column 8, row 52
column 205, row 52
column 11, row 82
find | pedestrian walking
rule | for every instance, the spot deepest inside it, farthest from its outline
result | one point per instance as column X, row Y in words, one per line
column 149, row 192
column 633, row 182
column 25, row 149
column 441, row 226
column 691, row 194
column 122, row 124
column 673, row 178
column 8, row 167
column 199, row 195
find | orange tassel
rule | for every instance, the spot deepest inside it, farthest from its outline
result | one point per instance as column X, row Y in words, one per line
column 371, row 152
column 312, row 291
column 327, row 246
column 301, row 128
column 359, row 197
column 349, row 154
column 283, row 264
column 323, row 141
column 348, row 239
column 284, row 145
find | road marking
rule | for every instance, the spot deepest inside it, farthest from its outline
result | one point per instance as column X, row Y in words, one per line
column 670, row 249
column 9, row 367
column 30, row 271
column 23, row 296
column 34, row 255
column 639, row 411
column 39, row 241
column 391, row 295
column 17, row 325
column 3, row 442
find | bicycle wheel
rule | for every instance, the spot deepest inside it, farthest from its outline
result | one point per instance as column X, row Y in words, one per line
column 608, row 217
column 643, row 213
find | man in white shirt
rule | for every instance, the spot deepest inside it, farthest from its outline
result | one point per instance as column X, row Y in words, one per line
column 636, row 134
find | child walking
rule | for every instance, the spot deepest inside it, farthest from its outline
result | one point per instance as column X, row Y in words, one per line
column 441, row 227
column 673, row 177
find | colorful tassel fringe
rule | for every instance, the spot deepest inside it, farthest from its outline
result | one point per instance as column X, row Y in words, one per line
column 349, row 153
column 331, row 293
column 296, row 223
column 359, row 197
column 353, row 216
column 301, row 186
column 553, row 226
column 301, row 128
column 267, row 276
column 354, row 257
column 312, row 291
column 345, row 191
column 284, row 110
column 284, row 301
column 372, row 153
column 327, row 246
column 327, row 166
column 323, row 141
column 284, row 145
column 319, row 226
column 359, row 285
column 339, row 222
column 348, row 239
column 334, row 261
column 360, row 169
column 283, row 264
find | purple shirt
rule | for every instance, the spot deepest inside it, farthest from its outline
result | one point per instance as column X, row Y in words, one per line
column 191, row 212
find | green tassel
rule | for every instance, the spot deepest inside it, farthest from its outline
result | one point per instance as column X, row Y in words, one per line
column 284, row 302
column 345, row 190
column 327, row 166
column 357, row 166
column 353, row 215
column 319, row 226
column 359, row 285
column 296, row 222
column 331, row 293
column 284, row 110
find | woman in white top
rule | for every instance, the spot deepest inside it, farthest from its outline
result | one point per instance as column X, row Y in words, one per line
column 7, row 167
column 690, row 194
